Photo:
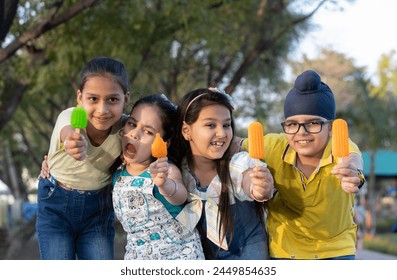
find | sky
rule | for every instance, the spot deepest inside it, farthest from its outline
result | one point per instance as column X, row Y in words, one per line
column 364, row 31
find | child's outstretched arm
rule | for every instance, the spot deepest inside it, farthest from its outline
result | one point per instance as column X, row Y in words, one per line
column 74, row 143
column 258, row 183
column 349, row 172
column 168, row 178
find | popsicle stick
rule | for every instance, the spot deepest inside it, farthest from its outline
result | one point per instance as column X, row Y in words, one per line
column 257, row 163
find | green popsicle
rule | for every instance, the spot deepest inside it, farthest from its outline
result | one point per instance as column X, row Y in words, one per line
column 79, row 119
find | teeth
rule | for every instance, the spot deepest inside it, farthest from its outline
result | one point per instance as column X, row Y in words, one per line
column 130, row 149
column 303, row 141
column 218, row 144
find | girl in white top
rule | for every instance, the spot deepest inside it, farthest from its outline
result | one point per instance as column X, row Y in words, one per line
column 226, row 189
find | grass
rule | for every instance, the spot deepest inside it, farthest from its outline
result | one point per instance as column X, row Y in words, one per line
column 385, row 243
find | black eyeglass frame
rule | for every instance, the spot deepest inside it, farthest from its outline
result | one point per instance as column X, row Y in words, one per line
column 283, row 124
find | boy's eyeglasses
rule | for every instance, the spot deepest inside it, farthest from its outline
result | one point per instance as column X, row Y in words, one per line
column 312, row 127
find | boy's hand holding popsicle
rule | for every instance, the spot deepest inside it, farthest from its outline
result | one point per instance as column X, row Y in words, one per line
column 75, row 143
column 261, row 180
column 349, row 164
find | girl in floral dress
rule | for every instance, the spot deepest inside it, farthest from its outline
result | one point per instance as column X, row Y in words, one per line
column 148, row 194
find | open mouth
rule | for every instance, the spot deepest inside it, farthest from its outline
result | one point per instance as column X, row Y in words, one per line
column 130, row 149
column 217, row 144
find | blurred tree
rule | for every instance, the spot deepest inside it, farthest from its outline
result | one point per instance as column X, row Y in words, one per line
column 167, row 46
column 376, row 118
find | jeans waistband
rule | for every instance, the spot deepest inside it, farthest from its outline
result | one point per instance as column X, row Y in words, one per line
column 62, row 185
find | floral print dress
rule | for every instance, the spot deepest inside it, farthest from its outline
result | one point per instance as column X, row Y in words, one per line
column 152, row 232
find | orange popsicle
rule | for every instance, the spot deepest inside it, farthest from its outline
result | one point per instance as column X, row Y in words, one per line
column 256, row 144
column 340, row 139
column 159, row 147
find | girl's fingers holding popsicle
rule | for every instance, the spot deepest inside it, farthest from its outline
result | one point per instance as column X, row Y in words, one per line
column 78, row 153
column 262, row 184
column 159, row 166
column 262, row 173
column 262, row 191
column 162, row 161
column 76, row 146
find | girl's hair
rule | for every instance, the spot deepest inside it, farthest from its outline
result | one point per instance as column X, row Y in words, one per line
column 167, row 114
column 102, row 66
column 189, row 109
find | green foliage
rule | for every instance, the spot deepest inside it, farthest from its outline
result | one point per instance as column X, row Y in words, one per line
column 385, row 225
column 167, row 46
column 382, row 243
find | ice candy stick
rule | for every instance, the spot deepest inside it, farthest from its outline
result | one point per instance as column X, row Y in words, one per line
column 256, row 144
column 159, row 147
column 340, row 139
column 79, row 119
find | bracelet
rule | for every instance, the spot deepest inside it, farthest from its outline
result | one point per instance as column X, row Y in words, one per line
column 241, row 142
column 176, row 187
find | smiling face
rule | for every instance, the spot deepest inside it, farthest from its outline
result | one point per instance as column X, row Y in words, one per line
column 211, row 134
column 139, row 133
column 104, row 101
column 308, row 145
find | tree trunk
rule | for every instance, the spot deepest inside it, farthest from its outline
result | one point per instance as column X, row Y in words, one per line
column 13, row 174
column 8, row 9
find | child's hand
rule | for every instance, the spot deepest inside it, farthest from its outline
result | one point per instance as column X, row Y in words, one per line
column 168, row 178
column 347, row 172
column 76, row 146
column 262, row 184
column 45, row 171
column 159, row 171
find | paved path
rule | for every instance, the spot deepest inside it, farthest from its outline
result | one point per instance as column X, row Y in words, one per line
column 363, row 254
column 31, row 252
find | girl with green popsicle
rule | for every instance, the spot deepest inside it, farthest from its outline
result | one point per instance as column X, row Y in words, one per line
column 75, row 214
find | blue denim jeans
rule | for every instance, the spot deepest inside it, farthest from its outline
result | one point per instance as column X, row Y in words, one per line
column 249, row 239
column 73, row 225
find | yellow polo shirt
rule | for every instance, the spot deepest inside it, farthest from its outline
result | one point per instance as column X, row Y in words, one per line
column 308, row 218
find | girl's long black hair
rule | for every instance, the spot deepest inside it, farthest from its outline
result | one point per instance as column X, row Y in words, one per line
column 188, row 111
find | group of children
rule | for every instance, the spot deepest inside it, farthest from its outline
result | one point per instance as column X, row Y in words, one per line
column 207, row 199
